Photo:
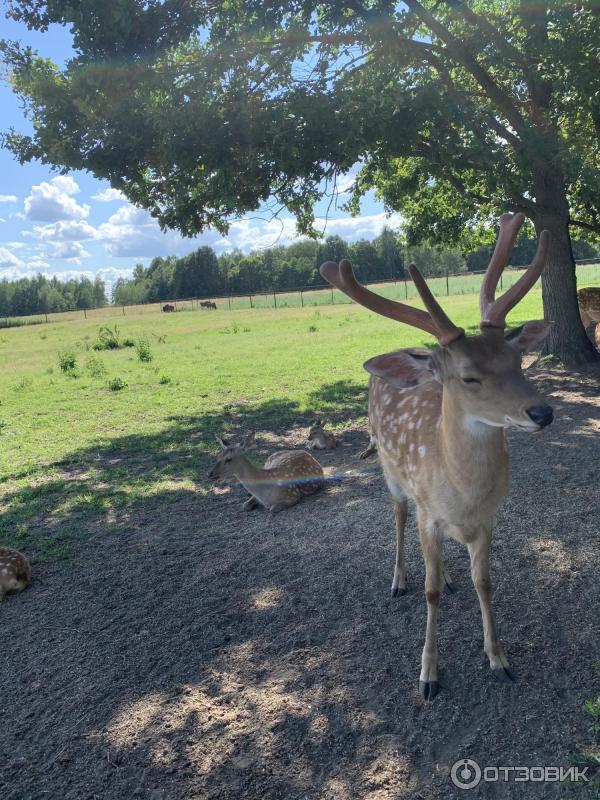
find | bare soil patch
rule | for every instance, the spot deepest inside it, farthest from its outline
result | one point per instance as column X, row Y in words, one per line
column 208, row 653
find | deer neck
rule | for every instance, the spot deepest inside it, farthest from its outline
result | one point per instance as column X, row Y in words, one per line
column 252, row 478
column 474, row 453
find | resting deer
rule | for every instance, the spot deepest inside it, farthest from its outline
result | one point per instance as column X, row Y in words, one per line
column 15, row 572
column 438, row 419
column 589, row 309
column 286, row 478
column 319, row 438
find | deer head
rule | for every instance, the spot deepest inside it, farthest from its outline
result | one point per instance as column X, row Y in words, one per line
column 228, row 460
column 482, row 374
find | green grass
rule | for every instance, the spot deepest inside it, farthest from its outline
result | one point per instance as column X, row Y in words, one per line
column 77, row 458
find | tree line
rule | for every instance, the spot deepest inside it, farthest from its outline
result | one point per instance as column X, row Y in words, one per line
column 41, row 295
column 204, row 274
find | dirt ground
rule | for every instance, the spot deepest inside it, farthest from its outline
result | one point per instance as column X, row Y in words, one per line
column 214, row 654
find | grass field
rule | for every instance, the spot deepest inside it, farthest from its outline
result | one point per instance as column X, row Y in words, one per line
column 75, row 456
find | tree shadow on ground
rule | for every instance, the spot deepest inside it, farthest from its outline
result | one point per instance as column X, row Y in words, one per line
column 195, row 651
column 96, row 486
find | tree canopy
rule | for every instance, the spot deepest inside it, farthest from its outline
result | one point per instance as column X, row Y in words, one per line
column 455, row 111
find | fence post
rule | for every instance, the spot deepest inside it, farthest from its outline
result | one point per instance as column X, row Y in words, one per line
column 229, row 301
column 447, row 285
column 405, row 289
column 123, row 310
column 275, row 299
column 301, row 299
column 500, row 281
column 332, row 300
column 84, row 314
column 251, row 306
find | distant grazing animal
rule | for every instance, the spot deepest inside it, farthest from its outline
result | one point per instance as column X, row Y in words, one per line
column 438, row 419
column 319, row 438
column 15, row 572
column 208, row 304
column 589, row 308
column 285, row 479
column 168, row 307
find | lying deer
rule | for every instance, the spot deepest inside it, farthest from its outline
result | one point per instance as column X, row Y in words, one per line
column 285, row 479
column 438, row 419
column 319, row 438
column 588, row 299
column 15, row 572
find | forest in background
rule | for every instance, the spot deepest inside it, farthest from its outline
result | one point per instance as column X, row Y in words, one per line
column 204, row 274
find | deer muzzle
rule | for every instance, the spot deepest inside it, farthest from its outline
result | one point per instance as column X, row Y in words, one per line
column 541, row 415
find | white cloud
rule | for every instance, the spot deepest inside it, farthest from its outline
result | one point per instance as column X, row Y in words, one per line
column 15, row 245
column 109, row 195
column 9, row 260
column 53, row 201
column 65, row 231
column 70, row 251
column 255, row 234
column 132, row 232
column 8, row 198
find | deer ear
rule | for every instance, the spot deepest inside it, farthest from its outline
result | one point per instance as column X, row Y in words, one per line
column 248, row 440
column 402, row 368
column 529, row 335
column 223, row 442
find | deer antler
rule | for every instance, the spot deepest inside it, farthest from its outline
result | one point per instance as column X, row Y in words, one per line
column 434, row 320
column 494, row 312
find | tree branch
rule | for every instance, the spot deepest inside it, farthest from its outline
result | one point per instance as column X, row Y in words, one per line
column 459, row 50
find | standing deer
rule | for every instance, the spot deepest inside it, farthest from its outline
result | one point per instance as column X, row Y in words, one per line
column 15, row 572
column 285, row 479
column 438, row 419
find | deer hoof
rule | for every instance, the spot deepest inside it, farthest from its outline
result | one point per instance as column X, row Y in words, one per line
column 398, row 591
column 428, row 689
column 504, row 675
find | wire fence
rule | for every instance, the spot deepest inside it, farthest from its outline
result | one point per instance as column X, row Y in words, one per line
column 588, row 274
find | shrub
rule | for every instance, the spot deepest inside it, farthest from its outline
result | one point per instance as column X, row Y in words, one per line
column 143, row 350
column 116, row 384
column 312, row 329
column 128, row 342
column 95, row 367
column 67, row 361
column 165, row 379
column 108, row 339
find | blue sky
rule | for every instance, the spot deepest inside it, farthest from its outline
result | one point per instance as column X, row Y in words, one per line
column 76, row 224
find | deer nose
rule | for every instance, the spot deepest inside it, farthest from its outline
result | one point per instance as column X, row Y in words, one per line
column 541, row 415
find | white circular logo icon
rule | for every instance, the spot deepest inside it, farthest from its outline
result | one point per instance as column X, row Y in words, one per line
column 465, row 773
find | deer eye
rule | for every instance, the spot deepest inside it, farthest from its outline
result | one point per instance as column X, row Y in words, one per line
column 471, row 380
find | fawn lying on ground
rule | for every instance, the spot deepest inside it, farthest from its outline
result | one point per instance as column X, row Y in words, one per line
column 284, row 480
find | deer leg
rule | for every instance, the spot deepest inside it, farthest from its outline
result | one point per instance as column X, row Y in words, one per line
column 372, row 448
column 399, row 580
column 251, row 503
column 479, row 552
column 431, row 545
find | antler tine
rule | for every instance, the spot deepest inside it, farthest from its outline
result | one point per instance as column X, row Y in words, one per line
column 342, row 277
column 510, row 225
column 498, row 311
column 448, row 331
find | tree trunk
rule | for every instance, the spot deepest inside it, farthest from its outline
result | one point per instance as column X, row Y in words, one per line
column 567, row 339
